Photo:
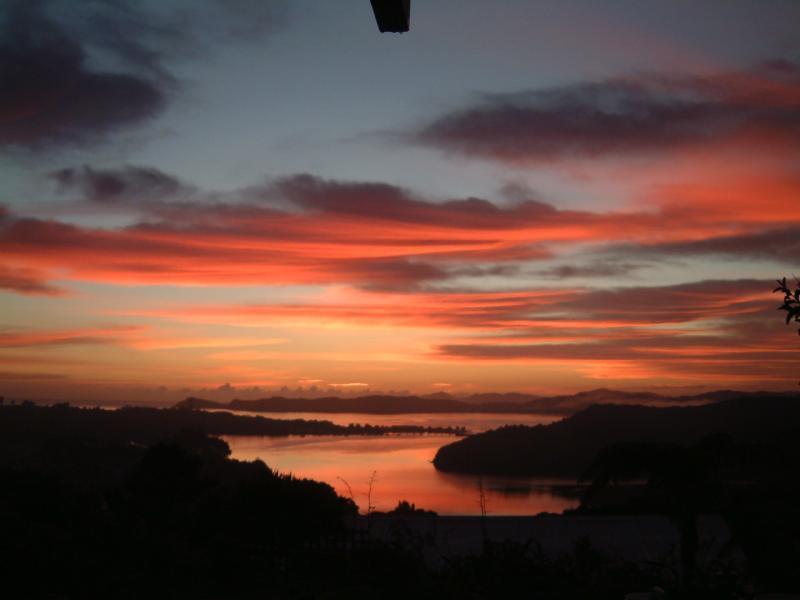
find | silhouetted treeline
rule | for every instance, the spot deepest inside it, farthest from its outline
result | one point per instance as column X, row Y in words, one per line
column 405, row 508
column 90, row 444
column 144, row 425
column 567, row 447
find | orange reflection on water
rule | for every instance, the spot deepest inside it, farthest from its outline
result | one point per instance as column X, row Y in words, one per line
column 403, row 471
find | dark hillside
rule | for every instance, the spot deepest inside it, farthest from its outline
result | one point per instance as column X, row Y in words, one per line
column 567, row 447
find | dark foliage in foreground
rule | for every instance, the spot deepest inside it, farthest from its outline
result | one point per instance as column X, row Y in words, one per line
column 181, row 519
column 753, row 486
column 95, row 516
column 185, row 522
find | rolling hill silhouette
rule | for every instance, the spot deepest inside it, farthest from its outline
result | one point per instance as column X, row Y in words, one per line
column 567, row 447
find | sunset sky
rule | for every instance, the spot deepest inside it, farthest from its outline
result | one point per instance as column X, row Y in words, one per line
column 514, row 196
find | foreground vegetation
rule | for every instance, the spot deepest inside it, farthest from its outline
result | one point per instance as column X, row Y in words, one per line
column 138, row 510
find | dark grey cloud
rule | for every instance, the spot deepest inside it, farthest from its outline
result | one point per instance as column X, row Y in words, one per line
column 148, row 37
column 622, row 116
column 595, row 269
column 51, row 96
column 392, row 203
column 130, row 183
column 781, row 245
column 722, row 327
column 74, row 73
column 391, row 274
column 670, row 304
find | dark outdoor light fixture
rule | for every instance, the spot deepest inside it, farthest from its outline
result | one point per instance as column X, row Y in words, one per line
column 392, row 15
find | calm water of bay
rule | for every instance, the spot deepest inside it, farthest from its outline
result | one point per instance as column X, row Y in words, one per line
column 402, row 466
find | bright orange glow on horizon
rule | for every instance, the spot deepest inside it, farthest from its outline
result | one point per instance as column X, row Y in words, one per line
column 624, row 231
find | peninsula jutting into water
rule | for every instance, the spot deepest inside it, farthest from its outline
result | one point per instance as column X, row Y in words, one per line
column 567, row 447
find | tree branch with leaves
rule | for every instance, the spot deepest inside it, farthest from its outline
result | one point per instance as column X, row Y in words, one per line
column 791, row 300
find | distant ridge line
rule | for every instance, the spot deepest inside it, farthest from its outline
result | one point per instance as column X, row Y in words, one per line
column 561, row 405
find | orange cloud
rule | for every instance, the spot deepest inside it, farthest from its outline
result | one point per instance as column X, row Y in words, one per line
column 67, row 337
column 27, row 281
column 708, row 329
column 401, row 242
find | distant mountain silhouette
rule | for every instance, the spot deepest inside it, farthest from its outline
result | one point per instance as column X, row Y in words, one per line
column 567, row 447
column 501, row 398
column 362, row 404
column 441, row 402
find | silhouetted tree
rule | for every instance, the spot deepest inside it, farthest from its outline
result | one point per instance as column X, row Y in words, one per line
column 405, row 508
column 682, row 482
column 791, row 300
column 665, row 467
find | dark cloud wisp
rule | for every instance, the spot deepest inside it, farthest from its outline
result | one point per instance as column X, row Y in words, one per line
column 117, row 185
column 52, row 96
column 781, row 245
column 621, row 116
column 75, row 73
